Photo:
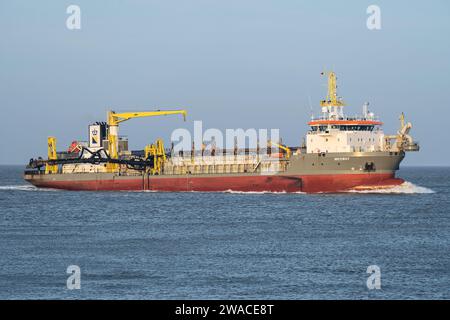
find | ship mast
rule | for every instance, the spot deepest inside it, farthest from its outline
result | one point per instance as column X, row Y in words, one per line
column 332, row 106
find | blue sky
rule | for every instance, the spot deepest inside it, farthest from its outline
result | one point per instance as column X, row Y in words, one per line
column 232, row 64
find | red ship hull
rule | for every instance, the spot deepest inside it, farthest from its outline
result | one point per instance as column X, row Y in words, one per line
column 243, row 183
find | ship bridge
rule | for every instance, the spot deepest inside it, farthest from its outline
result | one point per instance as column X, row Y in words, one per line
column 335, row 132
column 345, row 124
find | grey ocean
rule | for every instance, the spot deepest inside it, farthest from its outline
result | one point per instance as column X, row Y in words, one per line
column 145, row 245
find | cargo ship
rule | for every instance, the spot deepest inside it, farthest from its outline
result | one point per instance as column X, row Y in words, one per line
column 339, row 153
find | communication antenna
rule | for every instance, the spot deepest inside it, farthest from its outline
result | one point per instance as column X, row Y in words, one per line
column 365, row 109
column 310, row 107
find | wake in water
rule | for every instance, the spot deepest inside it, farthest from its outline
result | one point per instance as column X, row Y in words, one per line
column 404, row 188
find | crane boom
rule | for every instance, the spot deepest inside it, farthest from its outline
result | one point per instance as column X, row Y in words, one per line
column 113, row 128
column 287, row 149
column 116, row 118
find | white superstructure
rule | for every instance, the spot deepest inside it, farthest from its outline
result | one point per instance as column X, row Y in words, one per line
column 334, row 132
column 344, row 138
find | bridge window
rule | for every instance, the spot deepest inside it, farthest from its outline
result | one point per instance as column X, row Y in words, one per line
column 346, row 127
column 355, row 127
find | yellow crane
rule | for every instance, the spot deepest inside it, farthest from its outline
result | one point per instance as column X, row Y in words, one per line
column 158, row 153
column 332, row 99
column 113, row 129
column 287, row 149
column 51, row 152
column 403, row 141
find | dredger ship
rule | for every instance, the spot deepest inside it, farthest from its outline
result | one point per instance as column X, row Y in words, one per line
column 339, row 153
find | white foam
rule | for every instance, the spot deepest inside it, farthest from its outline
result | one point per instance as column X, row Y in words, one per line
column 25, row 187
column 254, row 192
column 404, row 188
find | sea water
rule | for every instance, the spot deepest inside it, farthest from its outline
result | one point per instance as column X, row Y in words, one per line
column 230, row 245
